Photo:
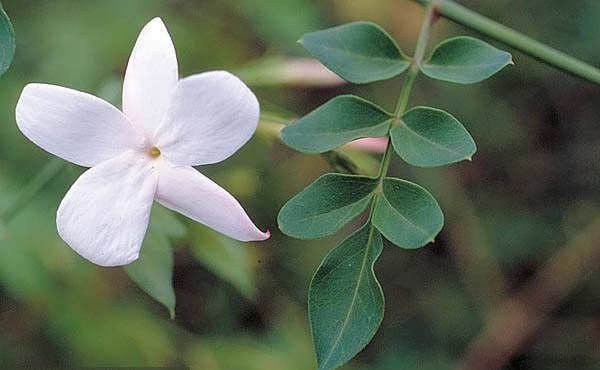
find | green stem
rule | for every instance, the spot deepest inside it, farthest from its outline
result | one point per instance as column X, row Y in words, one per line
column 517, row 40
column 409, row 81
column 385, row 162
column 404, row 97
column 47, row 173
column 413, row 71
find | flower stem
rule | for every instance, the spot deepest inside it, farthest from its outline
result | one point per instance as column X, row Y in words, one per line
column 47, row 173
column 517, row 40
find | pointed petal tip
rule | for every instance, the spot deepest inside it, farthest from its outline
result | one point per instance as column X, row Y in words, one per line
column 259, row 236
column 156, row 21
column 267, row 234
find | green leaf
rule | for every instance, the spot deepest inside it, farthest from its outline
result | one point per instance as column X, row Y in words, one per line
column 166, row 222
column 326, row 205
column 406, row 214
column 337, row 122
column 465, row 60
column 428, row 137
column 225, row 257
column 7, row 41
column 359, row 52
column 345, row 300
column 153, row 271
column 285, row 21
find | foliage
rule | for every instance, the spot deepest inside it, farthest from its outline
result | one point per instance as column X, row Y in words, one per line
column 428, row 137
column 153, row 271
column 359, row 52
column 465, row 60
column 531, row 188
column 345, row 299
column 7, row 41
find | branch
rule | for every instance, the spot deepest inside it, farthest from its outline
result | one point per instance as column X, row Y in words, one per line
column 517, row 40
column 37, row 183
column 520, row 316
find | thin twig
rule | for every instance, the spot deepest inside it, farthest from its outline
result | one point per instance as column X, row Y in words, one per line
column 521, row 315
column 517, row 40
column 470, row 248
column 47, row 173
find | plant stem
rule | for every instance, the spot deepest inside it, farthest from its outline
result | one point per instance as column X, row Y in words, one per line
column 47, row 173
column 413, row 71
column 409, row 81
column 517, row 318
column 517, row 40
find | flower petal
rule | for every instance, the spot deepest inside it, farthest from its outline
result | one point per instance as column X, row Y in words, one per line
column 212, row 115
column 73, row 125
column 187, row 191
column 151, row 77
column 105, row 214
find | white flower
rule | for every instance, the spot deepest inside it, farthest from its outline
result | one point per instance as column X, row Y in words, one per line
column 145, row 152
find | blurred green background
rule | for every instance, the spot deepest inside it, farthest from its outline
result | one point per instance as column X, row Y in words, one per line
column 511, row 282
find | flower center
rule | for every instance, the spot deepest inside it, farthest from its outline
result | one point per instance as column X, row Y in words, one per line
column 154, row 152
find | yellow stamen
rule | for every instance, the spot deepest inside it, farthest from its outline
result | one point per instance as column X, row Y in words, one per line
column 154, row 152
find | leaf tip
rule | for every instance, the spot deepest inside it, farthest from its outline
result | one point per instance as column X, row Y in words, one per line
column 172, row 314
column 511, row 62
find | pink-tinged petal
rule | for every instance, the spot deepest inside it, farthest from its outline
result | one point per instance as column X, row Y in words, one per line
column 73, row 125
column 307, row 72
column 369, row 144
column 105, row 214
column 187, row 191
column 151, row 77
column 212, row 115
